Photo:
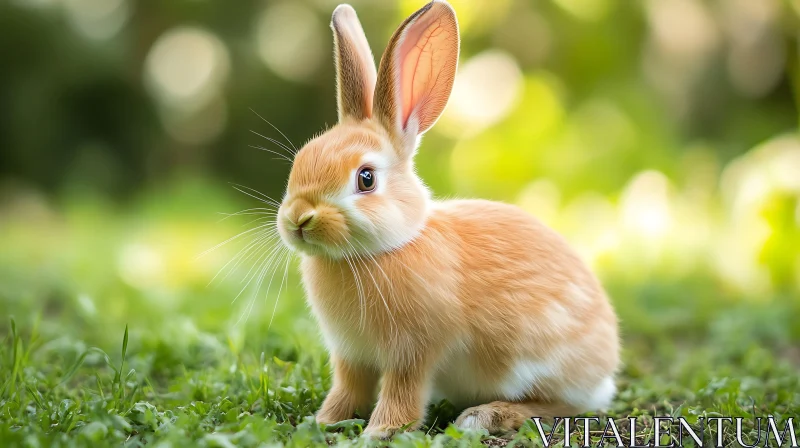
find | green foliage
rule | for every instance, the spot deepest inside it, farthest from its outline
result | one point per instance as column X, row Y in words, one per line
column 135, row 359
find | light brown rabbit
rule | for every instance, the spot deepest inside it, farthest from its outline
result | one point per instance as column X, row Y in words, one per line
column 469, row 300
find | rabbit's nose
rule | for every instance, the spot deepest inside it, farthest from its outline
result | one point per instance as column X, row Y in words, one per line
column 299, row 213
column 304, row 223
column 305, row 219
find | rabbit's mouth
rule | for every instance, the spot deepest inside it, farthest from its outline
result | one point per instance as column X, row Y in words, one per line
column 317, row 238
column 300, row 241
column 304, row 239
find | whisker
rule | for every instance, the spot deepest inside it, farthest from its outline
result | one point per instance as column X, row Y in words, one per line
column 252, row 249
column 380, row 292
column 279, row 154
column 263, row 198
column 356, row 233
column 272, row 265
column 254, row 210
column 265, row 220
column 378, row 265
column 279, row 144
column 276, row 128
column 264, row 217
column 375, row 261
column 249, row 211
column 362, row 302
column 280, row 288
column 265, row 258
column 246, row 314
column 205, row 252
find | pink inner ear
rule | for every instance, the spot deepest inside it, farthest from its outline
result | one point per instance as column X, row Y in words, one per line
column 427, row 59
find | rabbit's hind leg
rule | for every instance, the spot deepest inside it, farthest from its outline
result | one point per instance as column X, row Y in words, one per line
column 503, row 416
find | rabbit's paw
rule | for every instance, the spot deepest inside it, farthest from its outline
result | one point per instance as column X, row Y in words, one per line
column 329, row 415
column 479, row 417
column 382, row 432
column 325, row 419
column 499, row 417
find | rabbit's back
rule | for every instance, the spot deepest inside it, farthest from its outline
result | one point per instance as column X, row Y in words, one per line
column 540, row 325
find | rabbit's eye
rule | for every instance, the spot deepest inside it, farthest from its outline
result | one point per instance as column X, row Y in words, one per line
column 366, row 180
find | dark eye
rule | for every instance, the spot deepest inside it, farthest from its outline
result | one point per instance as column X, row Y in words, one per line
column 366, row 180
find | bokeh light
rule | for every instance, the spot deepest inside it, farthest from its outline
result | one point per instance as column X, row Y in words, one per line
column 645, row 205
column 186, row 67
column 185, row 71
column 97, row 19
column 486, row 89
column 290, row 40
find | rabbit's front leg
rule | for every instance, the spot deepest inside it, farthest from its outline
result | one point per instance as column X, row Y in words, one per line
column 402, row 401
column 353, row 390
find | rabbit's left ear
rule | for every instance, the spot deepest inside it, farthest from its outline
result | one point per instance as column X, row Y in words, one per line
column 355, row 67
column 417, row 71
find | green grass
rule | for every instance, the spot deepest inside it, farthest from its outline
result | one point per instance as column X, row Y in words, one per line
column 98, row 350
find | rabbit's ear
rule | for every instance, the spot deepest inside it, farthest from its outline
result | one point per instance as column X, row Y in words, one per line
column 355, row 67
column 417, row 71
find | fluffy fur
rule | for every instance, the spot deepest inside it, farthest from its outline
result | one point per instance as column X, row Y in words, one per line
column 469, row 300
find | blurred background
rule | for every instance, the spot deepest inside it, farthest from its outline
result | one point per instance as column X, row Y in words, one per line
column 659, row 136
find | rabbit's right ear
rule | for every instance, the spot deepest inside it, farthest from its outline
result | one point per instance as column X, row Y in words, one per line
column 417, row 71
column 355, row 67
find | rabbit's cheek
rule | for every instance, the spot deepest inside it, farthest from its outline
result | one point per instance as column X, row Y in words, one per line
column 329, row 229
column 371, row 206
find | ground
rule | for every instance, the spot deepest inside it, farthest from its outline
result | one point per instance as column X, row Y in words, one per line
column 112, row 337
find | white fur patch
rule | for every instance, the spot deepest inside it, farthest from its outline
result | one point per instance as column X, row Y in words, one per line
column 556, row 315
column 524, row 376
column 390, row 229
column 471, row 422
column 578, row 295
column 591, row 398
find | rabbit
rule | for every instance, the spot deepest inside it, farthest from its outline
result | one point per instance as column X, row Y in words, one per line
column 473, row 301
